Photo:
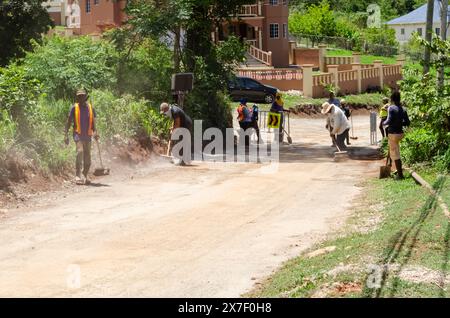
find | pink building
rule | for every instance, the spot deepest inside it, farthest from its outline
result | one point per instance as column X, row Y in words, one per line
column 265, row 26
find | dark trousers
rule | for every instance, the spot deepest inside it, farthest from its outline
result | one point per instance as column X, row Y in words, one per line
column 384, row 132
column 347, row 136
column 244, row 126
column 83, row 157
column 340, row 139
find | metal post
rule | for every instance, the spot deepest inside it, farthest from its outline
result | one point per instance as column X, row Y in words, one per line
column 373, row 129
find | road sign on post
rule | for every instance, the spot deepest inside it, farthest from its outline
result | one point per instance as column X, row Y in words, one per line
column 182, row 83
column 274, row 120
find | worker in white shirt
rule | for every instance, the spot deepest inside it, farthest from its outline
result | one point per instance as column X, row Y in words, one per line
column 337, row 124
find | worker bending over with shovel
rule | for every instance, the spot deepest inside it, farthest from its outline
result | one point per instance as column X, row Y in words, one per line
column 337, row 124
column 82, row 117
column 180, row 120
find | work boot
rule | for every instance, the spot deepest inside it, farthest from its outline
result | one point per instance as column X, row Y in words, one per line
column 79, row 180
column 398, row 165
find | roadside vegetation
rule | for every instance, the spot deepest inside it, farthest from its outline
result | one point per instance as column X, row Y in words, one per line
column 36, row 94
column 396, row 244
column 127, row 74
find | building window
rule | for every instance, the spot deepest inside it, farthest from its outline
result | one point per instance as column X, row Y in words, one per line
column 438, row 31
column 273, row 2
column 285, row 31
column 419, row 31
column 285, row 2
column 274, row 31
column 88, row 6
column 96, row 2
column 402, row 31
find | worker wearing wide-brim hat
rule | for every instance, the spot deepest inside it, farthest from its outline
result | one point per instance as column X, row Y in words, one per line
column 82, row 117
column 337, row 123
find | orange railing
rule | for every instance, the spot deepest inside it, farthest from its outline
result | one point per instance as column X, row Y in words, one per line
column 250, row 10
column 260, row 55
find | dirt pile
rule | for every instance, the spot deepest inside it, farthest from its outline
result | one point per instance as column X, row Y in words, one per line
column 20, row 177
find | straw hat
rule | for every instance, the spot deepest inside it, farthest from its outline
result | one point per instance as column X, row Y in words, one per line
column 81, row 92
column 326, row 107
column 164, row 108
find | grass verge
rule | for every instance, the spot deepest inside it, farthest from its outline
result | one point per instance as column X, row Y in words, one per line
column 397, row 244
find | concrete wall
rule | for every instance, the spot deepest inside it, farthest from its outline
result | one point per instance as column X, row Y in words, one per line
column 306, row 56
column 284, row 85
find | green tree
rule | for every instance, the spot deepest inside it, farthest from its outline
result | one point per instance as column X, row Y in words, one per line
column 63, row 65
column 163, row 20
column 316, row 22
column 20, row 22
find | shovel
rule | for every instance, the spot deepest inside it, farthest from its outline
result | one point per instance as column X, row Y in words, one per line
column 289, row 139
column 102, row 171
column 385, row 171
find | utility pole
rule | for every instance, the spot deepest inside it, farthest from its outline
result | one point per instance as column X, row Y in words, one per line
column 444, row 29
column 428, row 36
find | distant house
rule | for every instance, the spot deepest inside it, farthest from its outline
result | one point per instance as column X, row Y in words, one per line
column 87, row 16
column 56, row 11
column 415, row 21
column 264, row 25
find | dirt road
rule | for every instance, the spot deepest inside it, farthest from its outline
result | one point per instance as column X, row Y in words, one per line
column 211, row 230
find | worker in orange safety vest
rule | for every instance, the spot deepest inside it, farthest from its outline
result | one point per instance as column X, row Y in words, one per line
column 82, row 116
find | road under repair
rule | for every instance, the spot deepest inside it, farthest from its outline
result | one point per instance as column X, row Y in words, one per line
column 211, row 230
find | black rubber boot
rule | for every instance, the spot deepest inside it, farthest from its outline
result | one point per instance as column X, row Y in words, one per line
column 398, row 165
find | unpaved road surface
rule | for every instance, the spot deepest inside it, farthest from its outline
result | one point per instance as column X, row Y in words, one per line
column 211, row 230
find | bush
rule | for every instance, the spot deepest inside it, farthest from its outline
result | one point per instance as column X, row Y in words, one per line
column 419, row 145
column 379, row 41
column 7, row 133
column 126, row 116
column 64, row 65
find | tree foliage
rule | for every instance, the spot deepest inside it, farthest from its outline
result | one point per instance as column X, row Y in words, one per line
column 194, row 50
column 389, row 8
column 429, row 108
column 64, row 65
column 317, row 21
column 20, row 22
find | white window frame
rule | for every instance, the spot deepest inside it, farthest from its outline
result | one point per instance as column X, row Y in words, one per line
column 273, row 2
column 276, row 27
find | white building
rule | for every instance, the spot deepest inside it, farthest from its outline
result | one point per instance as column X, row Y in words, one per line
column 415, row 21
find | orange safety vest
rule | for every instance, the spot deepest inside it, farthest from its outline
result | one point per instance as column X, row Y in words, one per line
column 240, row 111
column 78, row 120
